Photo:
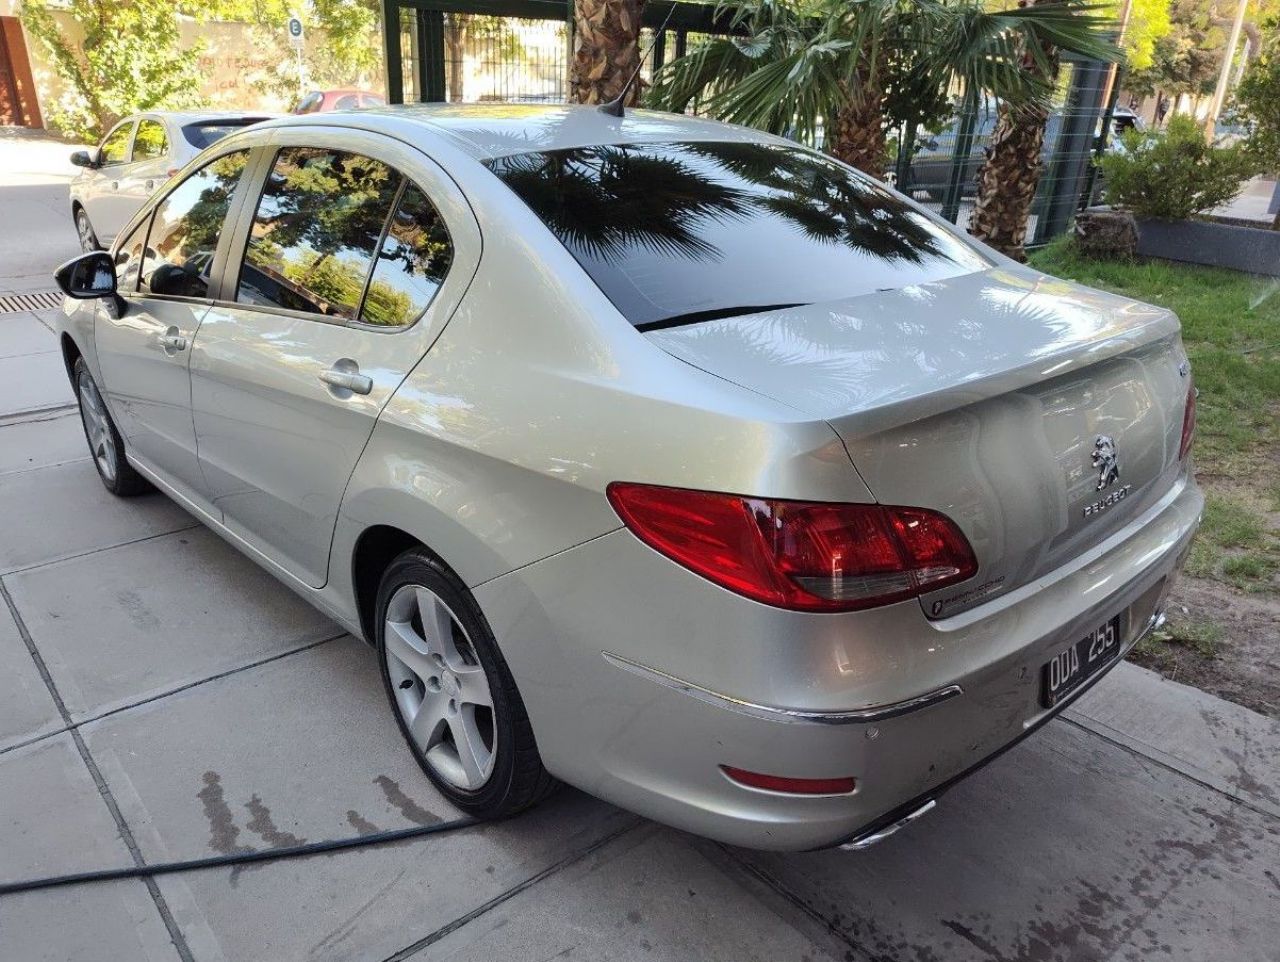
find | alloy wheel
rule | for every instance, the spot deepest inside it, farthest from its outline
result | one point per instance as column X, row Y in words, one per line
column 97, row 428
column 441, row 689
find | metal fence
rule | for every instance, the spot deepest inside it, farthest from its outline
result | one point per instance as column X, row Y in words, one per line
column 520, row 51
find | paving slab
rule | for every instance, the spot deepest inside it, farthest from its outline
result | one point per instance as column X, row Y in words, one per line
column 53, row 821
column 33, row 382
column 27, row 710
column 649, row 895
column 41, row 442
column 23, row 334
column 1066, row 848
column 63, row 510
column 130, row 623
column 304, row 749
column 1215, row 741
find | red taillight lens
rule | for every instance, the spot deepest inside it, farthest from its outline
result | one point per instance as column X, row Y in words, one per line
column 791, row 786
column 799, row 555
column 1188, row 424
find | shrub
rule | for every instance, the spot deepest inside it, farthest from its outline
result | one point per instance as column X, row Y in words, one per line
column 1174, row 174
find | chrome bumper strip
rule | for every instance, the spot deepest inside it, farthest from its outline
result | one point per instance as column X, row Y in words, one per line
column 879, row 835
column 856, row 716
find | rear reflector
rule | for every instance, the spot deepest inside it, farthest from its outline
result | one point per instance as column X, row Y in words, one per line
column 790, row 786
column 1188, row 424
column 799, row 555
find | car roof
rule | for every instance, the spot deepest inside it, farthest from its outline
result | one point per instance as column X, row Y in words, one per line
column 489, row 130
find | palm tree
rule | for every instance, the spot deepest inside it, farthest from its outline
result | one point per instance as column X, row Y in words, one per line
column 606, row 50
column 803, row 66
column 1008, row 178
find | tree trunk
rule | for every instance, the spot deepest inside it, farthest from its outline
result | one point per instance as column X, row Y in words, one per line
column 606, row 50
column 857, row 132
column 455, row 45
column 1008, row 178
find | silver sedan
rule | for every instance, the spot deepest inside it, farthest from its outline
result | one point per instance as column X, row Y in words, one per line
column 657, row 456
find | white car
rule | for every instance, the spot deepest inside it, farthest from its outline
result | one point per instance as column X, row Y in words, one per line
column 136, row 156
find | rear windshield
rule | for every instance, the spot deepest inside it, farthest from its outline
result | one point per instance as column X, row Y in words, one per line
column 683, row 232
column 201, row 136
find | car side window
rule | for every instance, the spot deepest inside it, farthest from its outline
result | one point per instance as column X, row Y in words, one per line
column 317, row 228
column 151, row 141
column 186, row 226
column 412, row 263
column 347, row 102
column 115, row 147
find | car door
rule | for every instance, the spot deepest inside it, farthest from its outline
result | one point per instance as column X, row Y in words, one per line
column 355, row 253
column 165, row 267
column 107, row 210
column 148, row 169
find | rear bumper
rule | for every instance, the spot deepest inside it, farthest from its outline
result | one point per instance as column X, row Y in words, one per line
column 641, row 680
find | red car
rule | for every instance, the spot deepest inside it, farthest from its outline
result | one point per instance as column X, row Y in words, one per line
column 322, row 100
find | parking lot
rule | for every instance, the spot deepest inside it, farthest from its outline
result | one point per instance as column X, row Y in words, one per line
column 162, row 698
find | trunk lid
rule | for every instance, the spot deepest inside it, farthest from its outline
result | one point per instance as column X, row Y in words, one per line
column 999, row 398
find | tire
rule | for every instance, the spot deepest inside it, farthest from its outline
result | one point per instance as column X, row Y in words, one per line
column 482, row 758
column 84, row 230
column 106, row 447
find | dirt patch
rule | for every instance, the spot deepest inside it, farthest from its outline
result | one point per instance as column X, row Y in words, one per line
column 1239, row 661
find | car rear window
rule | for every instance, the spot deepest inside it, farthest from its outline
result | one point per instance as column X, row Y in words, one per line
column 201, row 135
column 681, row 232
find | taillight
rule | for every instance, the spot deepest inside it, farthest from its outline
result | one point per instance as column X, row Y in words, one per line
column 1188, row 424
column 799, row 555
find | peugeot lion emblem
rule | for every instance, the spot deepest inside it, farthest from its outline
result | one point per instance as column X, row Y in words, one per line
column 1106, row 461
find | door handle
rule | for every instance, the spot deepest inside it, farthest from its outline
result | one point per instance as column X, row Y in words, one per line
column 173, row 342
column 352, row 381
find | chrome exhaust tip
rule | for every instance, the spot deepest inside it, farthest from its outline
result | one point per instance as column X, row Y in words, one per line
column 880, row 834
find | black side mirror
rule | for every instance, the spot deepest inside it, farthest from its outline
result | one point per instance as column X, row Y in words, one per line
column 82, row 158
column 89, row 277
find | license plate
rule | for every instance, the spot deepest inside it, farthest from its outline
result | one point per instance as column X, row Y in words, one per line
column 1070, row 668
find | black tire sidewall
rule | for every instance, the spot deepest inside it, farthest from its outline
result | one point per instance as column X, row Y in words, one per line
column 418, row 567
column 82, row 374
column 97, row 244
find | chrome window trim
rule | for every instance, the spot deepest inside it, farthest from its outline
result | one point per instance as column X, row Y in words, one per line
column 857, row 716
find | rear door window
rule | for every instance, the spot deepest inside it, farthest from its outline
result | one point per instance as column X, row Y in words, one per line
column 412, row 263
column 115, row 147
column 681, row 232
column 151, row 141
column 318, row 226
column 186, row 226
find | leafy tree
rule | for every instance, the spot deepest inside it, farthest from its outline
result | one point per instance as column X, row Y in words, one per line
column 350, row 47
column 1257, row 103
column 129, row 60
column 1148, row 22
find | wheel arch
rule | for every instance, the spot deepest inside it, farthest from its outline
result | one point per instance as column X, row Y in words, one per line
column 375, row 548
column 70, row 354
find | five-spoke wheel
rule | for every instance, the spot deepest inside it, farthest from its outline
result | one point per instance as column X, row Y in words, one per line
column 453, row 695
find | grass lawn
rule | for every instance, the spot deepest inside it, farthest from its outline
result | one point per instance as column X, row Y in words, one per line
column 1231, row 327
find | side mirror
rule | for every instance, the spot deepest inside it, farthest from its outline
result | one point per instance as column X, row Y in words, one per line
column 82, row 158
column 88, row 276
